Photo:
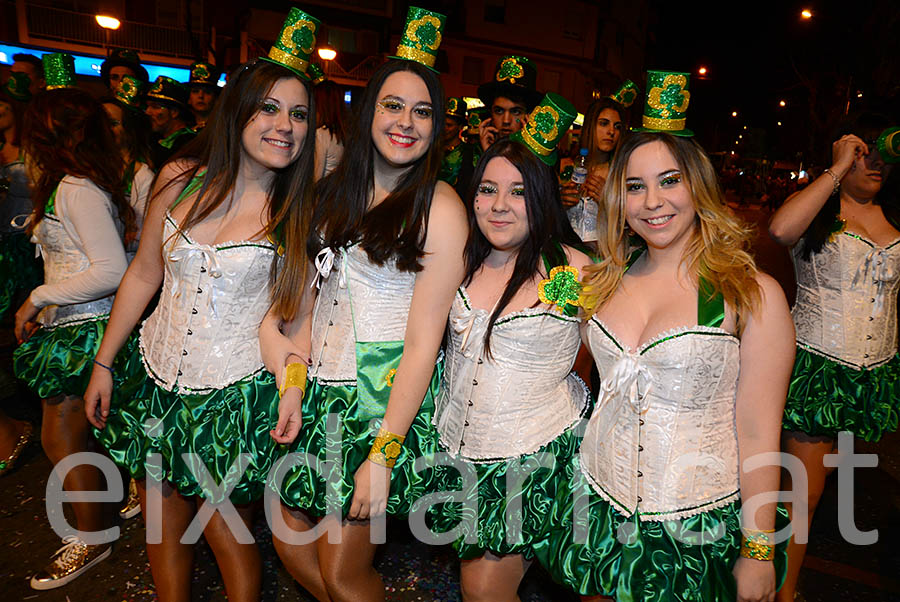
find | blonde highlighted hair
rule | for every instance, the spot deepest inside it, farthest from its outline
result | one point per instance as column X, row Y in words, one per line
column 717, row 252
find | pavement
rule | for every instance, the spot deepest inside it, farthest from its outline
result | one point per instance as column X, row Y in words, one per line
column 834, row 569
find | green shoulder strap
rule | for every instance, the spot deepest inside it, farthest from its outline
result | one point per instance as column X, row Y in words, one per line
column 710, row 305
column 192, row 187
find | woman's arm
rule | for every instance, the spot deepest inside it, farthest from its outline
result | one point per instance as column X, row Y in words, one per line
column 436, row 284
column 796, row 214
column 141, row 281
column 767, row 358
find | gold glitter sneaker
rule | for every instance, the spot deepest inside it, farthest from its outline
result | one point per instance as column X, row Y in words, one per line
column 70, row 562
column 132, row 506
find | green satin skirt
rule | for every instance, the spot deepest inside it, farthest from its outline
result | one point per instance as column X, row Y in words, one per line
column 214, row 429
column 19, row 268
column 59, row 360
column 334, row 436
column 647, row 561
column 825, row 398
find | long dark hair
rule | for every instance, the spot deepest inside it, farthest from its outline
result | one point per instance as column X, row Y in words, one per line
column 219, row 149
column 589, row 129
column 330, row 109
column 137, row 130
column 18, row 112
column 67, row 132
column 548, row 226
column 867, row 126
column 396, row 227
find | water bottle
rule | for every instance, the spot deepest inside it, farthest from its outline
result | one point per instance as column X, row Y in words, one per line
column 581, row 171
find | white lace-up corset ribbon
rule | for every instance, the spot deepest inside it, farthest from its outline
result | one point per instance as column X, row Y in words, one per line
column 846, row 307
column 380, row 295
column 662, row 440
column 519, row 399
column 204, row 334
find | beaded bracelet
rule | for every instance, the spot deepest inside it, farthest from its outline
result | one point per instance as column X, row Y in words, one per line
column 757, row 545
column 111, row 371
column 837, row 180
column 294, row 376
column 386, row 448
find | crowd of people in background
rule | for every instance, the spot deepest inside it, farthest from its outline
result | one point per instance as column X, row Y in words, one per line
column 236, row 285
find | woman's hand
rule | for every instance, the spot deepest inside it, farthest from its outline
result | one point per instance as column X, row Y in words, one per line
column 25, row 324
column 276, row 348
column 593, row 185
column 372, row 483
column 845, row 151
column 569, row 195
column 755, row 580
column 290, row 416
column 97, row 396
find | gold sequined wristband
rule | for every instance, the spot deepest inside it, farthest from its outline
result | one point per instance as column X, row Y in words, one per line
column 294, row 376
column 386, row 448
column 757, row 545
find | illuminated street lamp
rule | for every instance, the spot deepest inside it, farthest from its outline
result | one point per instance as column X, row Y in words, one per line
column 734, row 113
column 806, row 13
column 779, row 123
column 107, row 22
column 781, row 103
column 326, row 53
column 702, row 70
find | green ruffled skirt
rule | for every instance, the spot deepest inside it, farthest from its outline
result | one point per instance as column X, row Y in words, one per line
column 346, row 439
column 19, row 268
column 530, row 504
column 59, row 360
column 825, row 398
column 646, row 561
column 215, row 429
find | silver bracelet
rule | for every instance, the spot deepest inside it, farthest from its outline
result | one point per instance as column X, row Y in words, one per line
column 837, row 180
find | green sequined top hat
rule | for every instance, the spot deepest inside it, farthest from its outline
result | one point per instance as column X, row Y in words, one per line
column 128, row 93
column 316, row 74
column 122, row 57
column 167, row 91
column 513, row 76
column 888, row 144
column 666, row 104
column 421, row 37
column 546, row 124
column 203, row 74
column 17, row 86
column 294, row 45
column 626, row 93
column 59, row 70
column 456, row 108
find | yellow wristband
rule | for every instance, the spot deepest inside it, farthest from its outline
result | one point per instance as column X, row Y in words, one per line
column 757, row 545
column 386, row 448
column 294, row 376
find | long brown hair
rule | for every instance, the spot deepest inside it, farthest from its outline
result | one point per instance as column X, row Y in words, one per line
column 719, row 248
column 396, row 227
column 290, row 196
column 67, row 132
column 18, row 112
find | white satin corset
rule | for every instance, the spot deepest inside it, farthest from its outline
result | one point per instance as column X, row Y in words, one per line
column 204, row 334
column 662, row 439
column 357, row 301
column 62, row 259
column 846, row 308
column 519, row 399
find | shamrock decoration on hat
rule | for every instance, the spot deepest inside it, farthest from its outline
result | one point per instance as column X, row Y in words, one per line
column 17, row 86
column 204, row 74
column 421, row 37
column 169, row 92
column 59, row 70
column 295, row 43
column 515, row 76
column 546, row 124
column 128, row 93
column 456, row 108
column 626, row 94
column 666, row 104
column 888, row 145
column 316, row 74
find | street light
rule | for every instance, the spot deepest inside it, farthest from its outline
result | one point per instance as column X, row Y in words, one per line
column 779, row 123
column 734, row 113
column 107, row 22
column 781, row 103
column 806, row 13
column 702, row 70
column 859, row 94
column 326, row 53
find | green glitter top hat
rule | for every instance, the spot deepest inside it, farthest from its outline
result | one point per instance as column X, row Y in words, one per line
column 514, row 76
column 59, row 70
column 546, row 124
column 666, row 104
column 294, row 45
column 17, row 86
column 421, row 37
column 122, row 57
column 888, row 145
column 167, row 91
column 626, row 94
column 316, row 74
column 128, row 93
column 456, row 107
column 204, row 74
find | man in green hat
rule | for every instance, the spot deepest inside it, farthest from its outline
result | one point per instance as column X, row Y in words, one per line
column 204, row 87
column 119, row 63
column 510, row 96
column 31, row 67
column 169, row 118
